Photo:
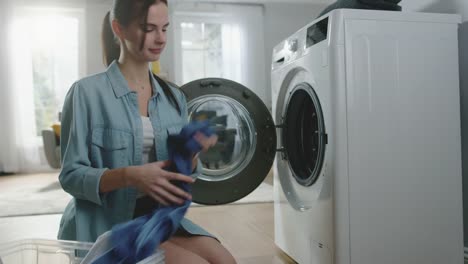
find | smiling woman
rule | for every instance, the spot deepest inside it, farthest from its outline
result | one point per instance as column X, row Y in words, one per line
column 115, row 127
column 43, row 47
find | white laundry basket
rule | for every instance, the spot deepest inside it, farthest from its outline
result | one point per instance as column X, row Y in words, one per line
column 37, row 251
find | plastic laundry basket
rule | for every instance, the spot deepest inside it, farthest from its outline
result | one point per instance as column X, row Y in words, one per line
column 54, row 252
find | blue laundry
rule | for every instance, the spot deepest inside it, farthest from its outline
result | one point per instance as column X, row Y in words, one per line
column 137, row 239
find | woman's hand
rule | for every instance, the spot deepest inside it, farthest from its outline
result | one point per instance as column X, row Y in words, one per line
column 155, row 181
column 206, row 143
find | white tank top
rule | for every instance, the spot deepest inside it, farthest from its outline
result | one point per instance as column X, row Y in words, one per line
column 148, row 154
column 148, row 141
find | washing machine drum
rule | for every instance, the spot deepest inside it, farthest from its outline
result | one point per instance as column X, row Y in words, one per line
column 303, row 134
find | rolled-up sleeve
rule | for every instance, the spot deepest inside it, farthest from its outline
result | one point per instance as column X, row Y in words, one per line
column 77, row 177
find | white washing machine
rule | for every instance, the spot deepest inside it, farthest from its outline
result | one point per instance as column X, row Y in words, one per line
column 369, row 168
column 364, row 140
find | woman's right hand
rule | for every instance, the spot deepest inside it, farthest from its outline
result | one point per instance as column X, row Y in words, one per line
column 155, row 181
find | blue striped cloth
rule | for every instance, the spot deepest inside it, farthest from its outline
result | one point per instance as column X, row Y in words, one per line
column 137, row 239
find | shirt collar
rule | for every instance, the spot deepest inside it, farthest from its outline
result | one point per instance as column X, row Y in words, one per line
column 157, row 89
column 120, row 85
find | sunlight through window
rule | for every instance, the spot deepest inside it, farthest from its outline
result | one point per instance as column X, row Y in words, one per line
column 210, row 50
column 47, row 47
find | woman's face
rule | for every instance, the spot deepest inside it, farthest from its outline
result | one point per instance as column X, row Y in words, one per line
column 155, row 31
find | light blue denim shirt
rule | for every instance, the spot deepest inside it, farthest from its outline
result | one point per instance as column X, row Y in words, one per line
column 102, row 129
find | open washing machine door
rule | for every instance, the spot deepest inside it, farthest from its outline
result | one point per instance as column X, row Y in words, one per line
column 247, row 140
column 246, row 146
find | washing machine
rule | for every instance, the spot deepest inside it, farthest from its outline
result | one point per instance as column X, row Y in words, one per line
column 368, row 168
column 363, row 138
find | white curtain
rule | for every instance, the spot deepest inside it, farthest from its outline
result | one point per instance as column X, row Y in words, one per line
column 252, row 67
column 231, row 34
column 21, row 147
column 20, row 151
column 6, row 110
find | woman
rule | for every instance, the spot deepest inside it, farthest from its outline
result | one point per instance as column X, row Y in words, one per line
column 114, row 130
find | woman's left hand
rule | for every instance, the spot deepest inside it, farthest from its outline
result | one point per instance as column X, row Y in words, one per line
column 206, row 143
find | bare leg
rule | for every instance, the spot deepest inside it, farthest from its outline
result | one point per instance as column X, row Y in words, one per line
column 175, row 254
column 206, row 247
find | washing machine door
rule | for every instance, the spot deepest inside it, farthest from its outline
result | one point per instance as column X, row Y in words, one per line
column 246, row 146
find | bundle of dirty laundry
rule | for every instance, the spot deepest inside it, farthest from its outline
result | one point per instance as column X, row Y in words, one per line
column 138, row 239
column 391, row 5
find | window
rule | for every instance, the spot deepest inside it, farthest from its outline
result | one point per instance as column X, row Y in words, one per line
column 219, row 41
column 209, row 49
column 201, row 44
column 47, row 45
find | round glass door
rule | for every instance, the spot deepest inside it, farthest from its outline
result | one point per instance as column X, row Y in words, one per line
column 236, row 136
column 246, row 146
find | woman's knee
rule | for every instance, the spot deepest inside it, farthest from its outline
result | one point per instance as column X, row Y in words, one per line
column 206, row 247
column 218, row 254
column 175, row 254
column 221, row 256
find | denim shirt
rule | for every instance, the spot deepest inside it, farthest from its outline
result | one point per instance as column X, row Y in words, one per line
column 102, row 129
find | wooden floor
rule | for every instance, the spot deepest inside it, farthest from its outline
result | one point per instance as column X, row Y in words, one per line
column 247, row 231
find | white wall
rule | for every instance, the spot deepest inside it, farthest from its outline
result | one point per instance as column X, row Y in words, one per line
column 458, row 7
column 281, row 21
